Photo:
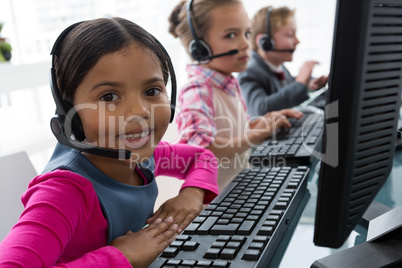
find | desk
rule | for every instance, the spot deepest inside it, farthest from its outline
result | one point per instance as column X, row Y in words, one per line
column 301, row 251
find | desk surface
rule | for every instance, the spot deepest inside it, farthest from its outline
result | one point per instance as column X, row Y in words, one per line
column 301, row 251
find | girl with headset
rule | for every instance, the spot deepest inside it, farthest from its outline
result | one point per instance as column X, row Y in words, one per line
column 90, row 205
column 212, row 113
column 266, row 84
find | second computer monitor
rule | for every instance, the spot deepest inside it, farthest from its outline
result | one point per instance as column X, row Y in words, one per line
column 361, row 114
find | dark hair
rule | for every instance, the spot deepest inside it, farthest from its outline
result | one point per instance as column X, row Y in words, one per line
column 84, row 45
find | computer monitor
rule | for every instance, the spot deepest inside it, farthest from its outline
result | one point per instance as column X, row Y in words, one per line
column 361, row 114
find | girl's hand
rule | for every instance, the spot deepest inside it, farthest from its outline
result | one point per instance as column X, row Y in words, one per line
column 142, row 248
column 264, row 126
column 183, row 208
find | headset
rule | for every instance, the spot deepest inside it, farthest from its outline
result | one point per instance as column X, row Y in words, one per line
column 66, row 124
column 266, row 42
column 198, row 48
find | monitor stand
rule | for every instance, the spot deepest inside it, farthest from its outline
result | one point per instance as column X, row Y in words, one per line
column 383, row 247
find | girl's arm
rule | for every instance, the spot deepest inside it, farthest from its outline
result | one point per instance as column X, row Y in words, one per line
column 259, row 129
column 198, row 167
column 197, row 127
column 195, row 164
column 57, row 207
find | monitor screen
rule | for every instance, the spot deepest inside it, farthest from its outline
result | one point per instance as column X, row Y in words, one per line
column 362, row 111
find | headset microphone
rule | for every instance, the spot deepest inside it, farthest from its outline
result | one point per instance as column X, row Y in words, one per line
column 283, row 50
column 230, row 52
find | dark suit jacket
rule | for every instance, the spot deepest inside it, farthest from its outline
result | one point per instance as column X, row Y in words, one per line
column 264, row 93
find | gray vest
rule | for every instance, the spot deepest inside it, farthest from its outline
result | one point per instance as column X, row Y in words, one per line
column 124, row 206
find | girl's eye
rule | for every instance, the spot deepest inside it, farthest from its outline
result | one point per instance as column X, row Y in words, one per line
column 230, row 35
column 248, row 34
column 109, row 97
column 152, row 92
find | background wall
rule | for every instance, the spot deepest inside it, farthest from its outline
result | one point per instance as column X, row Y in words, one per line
column 31, row 26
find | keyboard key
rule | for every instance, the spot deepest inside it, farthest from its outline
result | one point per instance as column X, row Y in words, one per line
column 190, row 246
column 246, row 228
column 239, row 238
column 173, row 262
column 177, row 244
column 218, row 244
column 229, row 229
column 228, row 254
column 206, row 225
column 204, row 264
column 237, row 220
column 191, row 228
column 266, row 230
column 233, row 244
column 256, row 245
column 269, row 223
column 293, row 185
column 220, row 264
column 188, row 263
column 273, row 217
column 223, row 221
column 281, row 205
column 183, row 237
column 251, row 255
column 212, row 253
column 224, row 238
column 170, row 252
column 261, row 239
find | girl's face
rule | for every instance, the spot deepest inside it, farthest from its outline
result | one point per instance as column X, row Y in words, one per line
column 285, row 38
column 230, row 29
column 122, row 102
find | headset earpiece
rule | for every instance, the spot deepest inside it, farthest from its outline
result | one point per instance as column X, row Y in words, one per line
column 63, row 108
column 198, row 48
column 266, row 42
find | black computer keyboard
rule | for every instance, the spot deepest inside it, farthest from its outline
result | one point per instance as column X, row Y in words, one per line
column 288, row 146
column 243, row 225
column 320, row 101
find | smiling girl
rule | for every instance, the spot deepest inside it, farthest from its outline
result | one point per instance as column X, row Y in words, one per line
column 88, row 210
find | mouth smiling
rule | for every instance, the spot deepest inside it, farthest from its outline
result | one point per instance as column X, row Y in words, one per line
column 136, row 139
column 135, row 136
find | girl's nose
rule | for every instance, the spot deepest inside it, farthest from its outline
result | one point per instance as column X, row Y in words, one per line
column 137, row 108
column 246, row 42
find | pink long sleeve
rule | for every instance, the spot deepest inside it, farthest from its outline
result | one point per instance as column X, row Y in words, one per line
column 198, row 166
column 62, row 226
